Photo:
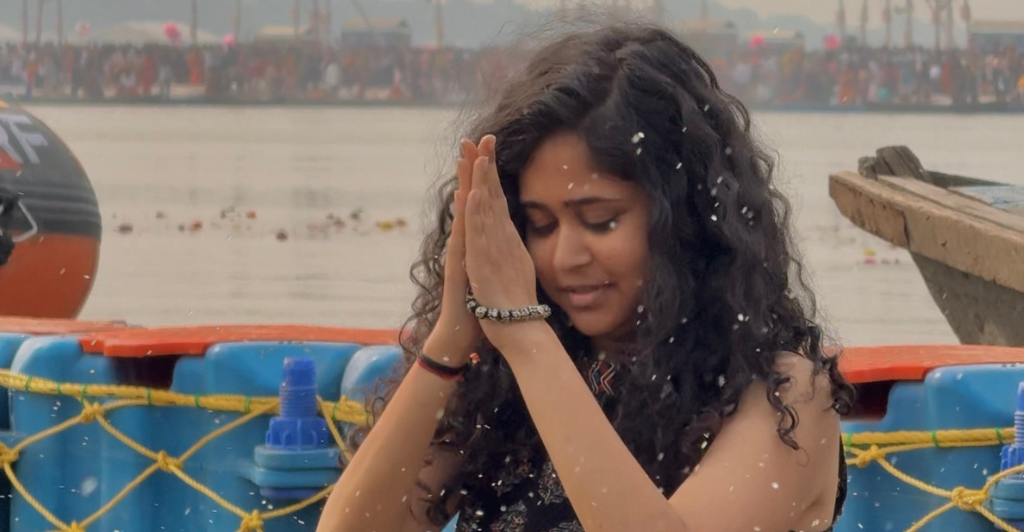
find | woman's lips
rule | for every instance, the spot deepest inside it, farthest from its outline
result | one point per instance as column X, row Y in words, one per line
column 586, row 297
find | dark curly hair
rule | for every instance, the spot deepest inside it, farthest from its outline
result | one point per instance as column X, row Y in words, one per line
column 725, row 293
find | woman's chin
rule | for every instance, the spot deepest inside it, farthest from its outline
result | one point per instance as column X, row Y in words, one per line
column 594, row 326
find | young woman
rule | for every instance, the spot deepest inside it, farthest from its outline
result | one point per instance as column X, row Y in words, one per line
column 654, row 369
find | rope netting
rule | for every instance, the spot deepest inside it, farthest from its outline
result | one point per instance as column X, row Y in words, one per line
column 866, row 448
column 118, row 396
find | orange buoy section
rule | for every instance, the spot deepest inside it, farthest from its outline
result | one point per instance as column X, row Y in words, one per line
column 863, row 365
column 195, row 340
column 49, row 214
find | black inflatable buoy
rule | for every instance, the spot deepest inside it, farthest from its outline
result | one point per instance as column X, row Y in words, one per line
column 50, row 224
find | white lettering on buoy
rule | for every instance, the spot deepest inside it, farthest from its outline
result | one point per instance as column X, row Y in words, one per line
column 28, row 140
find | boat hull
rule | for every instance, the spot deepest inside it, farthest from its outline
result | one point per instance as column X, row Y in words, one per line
column 968, row 253
column 980, row 312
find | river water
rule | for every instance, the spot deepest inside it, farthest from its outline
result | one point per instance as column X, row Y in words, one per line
column 231, row 210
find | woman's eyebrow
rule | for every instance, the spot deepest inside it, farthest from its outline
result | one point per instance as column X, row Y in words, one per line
column 573, row 202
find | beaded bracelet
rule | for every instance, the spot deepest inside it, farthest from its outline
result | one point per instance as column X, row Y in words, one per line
column 528, row 313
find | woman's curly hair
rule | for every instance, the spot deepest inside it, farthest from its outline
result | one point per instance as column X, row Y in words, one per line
column 725, row 293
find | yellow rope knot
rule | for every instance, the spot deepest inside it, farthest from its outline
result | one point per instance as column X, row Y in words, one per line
column 166, row 462
column 75, row 527
column 7, row 455
column 868, row 457
column 252, row 522
column 90, row 411
column 967, row 500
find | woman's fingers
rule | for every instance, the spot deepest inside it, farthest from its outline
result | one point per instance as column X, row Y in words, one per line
column 455, row 279
column 475, row 226
column 455, row 258
column 470, row 154
column 491, row 182
column 459, row 222
column 487, row 145
column 481, row 169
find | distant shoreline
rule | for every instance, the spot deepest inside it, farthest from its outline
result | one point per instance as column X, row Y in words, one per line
column 222, row 102
column 984, row 109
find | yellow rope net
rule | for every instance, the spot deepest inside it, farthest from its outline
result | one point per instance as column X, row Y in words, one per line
column 866, row 448
column 862, row 449
column 126, row 396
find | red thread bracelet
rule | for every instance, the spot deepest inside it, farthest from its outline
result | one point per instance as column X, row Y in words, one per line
column 440, row 370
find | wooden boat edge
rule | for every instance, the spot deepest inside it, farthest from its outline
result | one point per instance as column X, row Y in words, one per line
column 968, row 243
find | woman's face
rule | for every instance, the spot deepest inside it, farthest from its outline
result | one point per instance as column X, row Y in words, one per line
column 587, row 234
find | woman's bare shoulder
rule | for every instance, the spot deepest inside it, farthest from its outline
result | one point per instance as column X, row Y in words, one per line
column 765, row 470
column 804, row 381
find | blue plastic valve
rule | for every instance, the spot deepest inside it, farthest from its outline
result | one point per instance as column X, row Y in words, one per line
column 1013, row 455
column 298, row 428
column 1007, row 496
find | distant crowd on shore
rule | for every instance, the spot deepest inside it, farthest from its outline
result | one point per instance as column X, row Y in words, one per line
column 317, row 72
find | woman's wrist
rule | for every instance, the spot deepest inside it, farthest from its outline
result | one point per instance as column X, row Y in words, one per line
column 443, row 371
column 451, row 355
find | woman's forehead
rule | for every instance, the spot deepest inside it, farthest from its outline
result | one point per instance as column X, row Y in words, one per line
column 563, row 166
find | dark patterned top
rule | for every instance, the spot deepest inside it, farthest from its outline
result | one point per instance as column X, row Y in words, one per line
column 530, row 498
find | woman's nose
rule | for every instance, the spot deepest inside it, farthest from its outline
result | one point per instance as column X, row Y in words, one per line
column 571, row 250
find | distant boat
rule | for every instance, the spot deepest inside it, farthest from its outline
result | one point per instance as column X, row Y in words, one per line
column 965, row 235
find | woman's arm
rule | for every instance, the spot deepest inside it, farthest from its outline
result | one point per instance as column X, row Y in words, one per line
column 749, row 479
column 387, row 485
column 383, row 489
column 441, row 464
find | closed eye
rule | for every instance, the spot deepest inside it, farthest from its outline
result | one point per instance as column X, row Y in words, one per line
column 603, row 227
column 541, row 230
column 597, row 228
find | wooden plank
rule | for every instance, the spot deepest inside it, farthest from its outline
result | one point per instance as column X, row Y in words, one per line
column 863, row 202
column 953, row 180
column 997, row 196
column 955, row 202
column 971, row 244
column 900, row 161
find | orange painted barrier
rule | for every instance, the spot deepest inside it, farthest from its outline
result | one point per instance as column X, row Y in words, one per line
column 862, row 365
column 56, row 326
column 195, row 340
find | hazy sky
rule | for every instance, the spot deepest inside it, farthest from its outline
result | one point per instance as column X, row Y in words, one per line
column 824, row 10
